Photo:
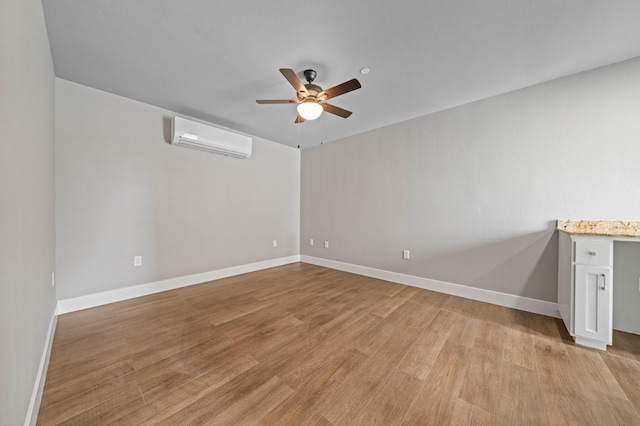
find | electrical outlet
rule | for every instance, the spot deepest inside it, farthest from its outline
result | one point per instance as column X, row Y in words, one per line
column 137, row 260
column 53, row 279
column 406, row 254
column 275, row 243
column 310, row 241
column 326, row 244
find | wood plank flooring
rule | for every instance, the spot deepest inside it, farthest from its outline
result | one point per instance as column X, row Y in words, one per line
column 306, row 345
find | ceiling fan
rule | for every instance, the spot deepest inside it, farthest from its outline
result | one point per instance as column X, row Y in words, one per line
column 311, row 97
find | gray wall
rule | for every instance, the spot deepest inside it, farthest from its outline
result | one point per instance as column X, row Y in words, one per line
column 474, row 191
column 27, row 300
column 122, row 190
column 626, row 288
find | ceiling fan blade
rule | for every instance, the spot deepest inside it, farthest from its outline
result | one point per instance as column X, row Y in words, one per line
column 276, row 101
column 299, row 119
column 336, row 110
column 340, row 89
column 293, row 79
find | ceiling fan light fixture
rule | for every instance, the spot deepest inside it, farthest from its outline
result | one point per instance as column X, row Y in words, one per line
column 310, row 110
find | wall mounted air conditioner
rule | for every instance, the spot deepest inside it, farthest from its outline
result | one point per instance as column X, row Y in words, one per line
column 192, row 134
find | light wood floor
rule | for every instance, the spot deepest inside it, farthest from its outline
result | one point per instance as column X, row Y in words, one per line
column 305, row 345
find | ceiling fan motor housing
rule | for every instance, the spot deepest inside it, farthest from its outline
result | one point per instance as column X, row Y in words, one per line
column 313, row 90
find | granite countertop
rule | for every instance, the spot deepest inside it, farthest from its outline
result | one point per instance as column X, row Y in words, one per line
column 608, row 228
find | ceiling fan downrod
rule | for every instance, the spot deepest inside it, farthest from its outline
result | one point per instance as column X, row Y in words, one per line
column 309, row 75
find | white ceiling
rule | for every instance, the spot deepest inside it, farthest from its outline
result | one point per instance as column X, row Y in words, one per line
column 212, row 59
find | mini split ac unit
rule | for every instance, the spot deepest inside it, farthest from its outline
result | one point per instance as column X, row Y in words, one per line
column 192, row 134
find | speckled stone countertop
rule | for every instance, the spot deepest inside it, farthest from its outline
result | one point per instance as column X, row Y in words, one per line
column 608, row 228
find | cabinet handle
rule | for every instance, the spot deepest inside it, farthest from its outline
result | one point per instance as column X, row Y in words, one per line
column 592, row 253
column 604, row 280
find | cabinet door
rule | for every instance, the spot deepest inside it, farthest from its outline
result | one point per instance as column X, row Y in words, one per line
column 593, row 302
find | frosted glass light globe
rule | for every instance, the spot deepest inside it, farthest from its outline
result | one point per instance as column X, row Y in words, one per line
column 310, row 110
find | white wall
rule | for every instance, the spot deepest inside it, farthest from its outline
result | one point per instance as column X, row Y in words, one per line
column 122, row 190
column 27, row 300
column 474, row 191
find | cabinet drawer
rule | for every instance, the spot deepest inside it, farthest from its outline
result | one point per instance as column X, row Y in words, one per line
column 593, row 253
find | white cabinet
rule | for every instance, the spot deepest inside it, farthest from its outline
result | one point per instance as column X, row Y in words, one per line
column 593, row 299
column 585, row 290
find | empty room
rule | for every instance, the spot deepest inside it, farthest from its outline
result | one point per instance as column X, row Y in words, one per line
column 319, row 213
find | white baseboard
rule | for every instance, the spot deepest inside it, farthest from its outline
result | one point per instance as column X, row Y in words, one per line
column 536, row 306
column 503, row 299
column 594, row 344
column 117, row 295
column 38, row 387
